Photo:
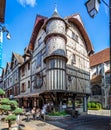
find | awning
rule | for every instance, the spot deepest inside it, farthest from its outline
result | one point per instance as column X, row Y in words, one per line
column 97, row 79
column 37, row 94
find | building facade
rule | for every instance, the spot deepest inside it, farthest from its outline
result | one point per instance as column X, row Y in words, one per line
column 100, row 77
column 11, row 76
column 59, row 64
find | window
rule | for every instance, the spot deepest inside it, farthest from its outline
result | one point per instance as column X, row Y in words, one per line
column 56, row 63
column 23, row 87
column 10, row 80
column 96, row 90
column 23, row 71
column 15, row 62
column 28, row 84
column 39, row 41
column 74, row 36
column 16, row 90
column 107, row 79
column 39, row 80
column 38, row 61
column 28, row 66
column 73, row 60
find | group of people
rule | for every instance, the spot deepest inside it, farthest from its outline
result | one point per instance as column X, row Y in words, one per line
column 36, row 112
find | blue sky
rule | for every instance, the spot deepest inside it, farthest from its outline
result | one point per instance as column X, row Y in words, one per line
column 20, row 17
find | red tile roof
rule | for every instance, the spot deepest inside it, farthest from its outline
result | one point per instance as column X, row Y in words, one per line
column 100, row 57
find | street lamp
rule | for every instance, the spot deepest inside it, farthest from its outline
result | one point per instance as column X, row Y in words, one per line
column 92, row 9
column 2, row 30
column 8, row 36
column 93, row 6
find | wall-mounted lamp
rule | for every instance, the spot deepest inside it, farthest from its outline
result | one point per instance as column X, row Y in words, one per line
column 2, row 30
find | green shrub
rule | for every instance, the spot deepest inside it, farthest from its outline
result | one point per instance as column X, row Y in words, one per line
column 18, row 111
column 11, row 118
column 89, row 105
column 57, row 113
column 2, row 92
column 9, row 108
column 93, row 105
column 5, row 107
column 5, row 101
column 99, row 105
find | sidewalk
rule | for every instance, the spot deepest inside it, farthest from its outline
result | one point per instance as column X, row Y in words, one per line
column 32, row 125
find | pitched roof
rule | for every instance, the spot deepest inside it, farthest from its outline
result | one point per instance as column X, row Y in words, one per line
column 19, row 58
column 40, row 20
column 100, row 57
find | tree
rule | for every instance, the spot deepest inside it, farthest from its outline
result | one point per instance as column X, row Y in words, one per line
column 2, row 92
column 10, row 109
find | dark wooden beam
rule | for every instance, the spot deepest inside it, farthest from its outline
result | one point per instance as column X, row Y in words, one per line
column 2, row 10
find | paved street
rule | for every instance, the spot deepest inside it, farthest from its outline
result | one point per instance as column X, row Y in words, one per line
column 89, row 122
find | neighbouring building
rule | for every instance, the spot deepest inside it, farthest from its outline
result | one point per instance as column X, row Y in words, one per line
column 100, row 77
column 11, row 76
column 56, row 68
column 25, row 77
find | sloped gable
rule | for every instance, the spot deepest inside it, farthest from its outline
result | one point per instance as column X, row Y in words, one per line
column 18, row 57
column 40, row 20
column 8, row 65
column 76, row 20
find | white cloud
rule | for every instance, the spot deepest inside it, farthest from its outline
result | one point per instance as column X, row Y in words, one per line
column 32, row 3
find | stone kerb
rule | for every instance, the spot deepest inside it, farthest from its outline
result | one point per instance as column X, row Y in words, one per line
column 99, row 112
column 47, row 117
